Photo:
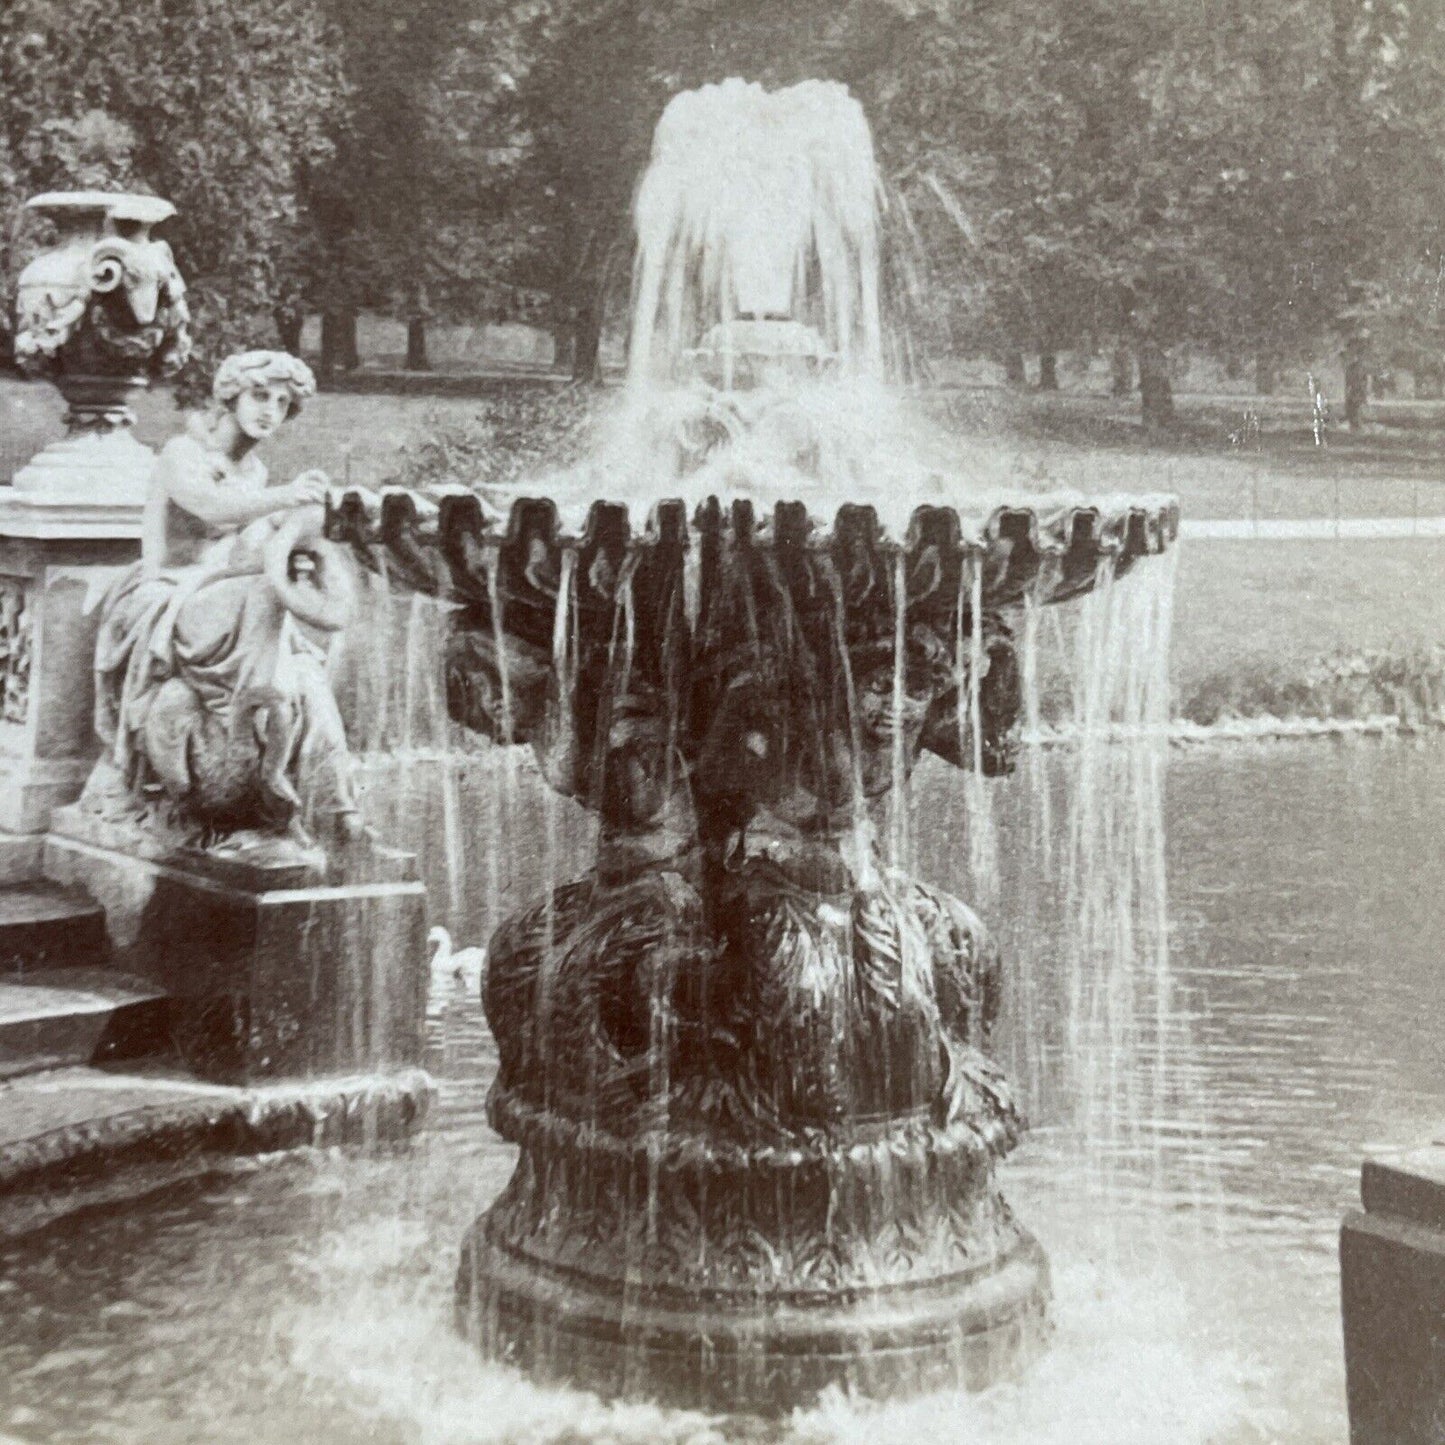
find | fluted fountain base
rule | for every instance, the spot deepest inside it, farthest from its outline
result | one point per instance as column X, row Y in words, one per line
column 752, row 1280
column 764, row 1356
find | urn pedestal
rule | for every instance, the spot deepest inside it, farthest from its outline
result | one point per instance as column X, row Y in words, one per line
column 744, row 1056
column 99, row 313
column 53, row 569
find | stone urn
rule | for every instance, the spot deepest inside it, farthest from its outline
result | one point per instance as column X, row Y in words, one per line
column 99, row 314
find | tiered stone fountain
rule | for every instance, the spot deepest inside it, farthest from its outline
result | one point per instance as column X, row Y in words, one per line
column 744, row 1057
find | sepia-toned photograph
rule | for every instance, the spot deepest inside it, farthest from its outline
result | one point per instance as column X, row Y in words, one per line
column 722, row 722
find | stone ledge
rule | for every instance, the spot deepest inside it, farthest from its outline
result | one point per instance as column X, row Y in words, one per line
column 1408, row 1185
column 73, row 1137
column 1392, row 1289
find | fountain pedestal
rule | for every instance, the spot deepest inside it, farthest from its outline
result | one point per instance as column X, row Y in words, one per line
column 743, row 1057
column 886, row 1267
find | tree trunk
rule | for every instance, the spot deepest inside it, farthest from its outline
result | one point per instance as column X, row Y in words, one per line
column 1048, row 371
column 338, row 342
column 1121, row 371
column 1156, row 394
column 1357, row 382
column 1013, row 369
column 350, row 353
column 564, row 339
column 416, row 357
column 1265, row 373
column 330, row 343
column 587, row 342
column 290, row 322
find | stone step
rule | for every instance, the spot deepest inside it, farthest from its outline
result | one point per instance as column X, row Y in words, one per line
column 77, row 1137
column 47, row 926
column 54, row 1018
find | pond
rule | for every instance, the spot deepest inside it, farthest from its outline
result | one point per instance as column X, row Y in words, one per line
column 307, row 1298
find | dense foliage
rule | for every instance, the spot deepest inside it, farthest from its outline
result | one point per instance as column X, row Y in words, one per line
column 216, row 105
column 1261, row 179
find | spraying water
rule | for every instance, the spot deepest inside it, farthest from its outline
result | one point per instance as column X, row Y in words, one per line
column 757, row 206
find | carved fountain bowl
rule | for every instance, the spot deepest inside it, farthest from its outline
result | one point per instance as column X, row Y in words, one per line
column 743, row 1058
column 715, row 621
column 1062, row 537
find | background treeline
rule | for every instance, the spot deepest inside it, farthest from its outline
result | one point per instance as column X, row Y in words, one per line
column 1260, row 179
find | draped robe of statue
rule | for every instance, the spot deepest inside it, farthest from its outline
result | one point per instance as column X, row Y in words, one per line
column 209, row 690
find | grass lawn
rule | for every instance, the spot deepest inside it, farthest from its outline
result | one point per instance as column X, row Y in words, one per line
column 351, row 437
column 1249, row 612
column 1245, row 608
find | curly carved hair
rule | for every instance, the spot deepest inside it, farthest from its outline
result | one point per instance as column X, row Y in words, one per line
column 246, row 369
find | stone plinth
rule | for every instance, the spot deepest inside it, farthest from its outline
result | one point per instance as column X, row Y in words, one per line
column 57, row 555
column 275, row 968
column 96, row 477
column 1392, row 1280
column 72, row 1139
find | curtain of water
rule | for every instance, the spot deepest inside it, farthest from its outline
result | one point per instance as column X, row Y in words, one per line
column 562, row 743
column 978, row 796
column 1092, row 1033
column 505, row 800
column 1024, row 1007
column 1098, row 1041
column 860, row 858
column 898, row 796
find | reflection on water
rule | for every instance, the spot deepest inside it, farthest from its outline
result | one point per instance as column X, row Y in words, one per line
column 307, row 1298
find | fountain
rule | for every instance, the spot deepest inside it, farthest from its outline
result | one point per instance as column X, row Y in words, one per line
column 744, row 1057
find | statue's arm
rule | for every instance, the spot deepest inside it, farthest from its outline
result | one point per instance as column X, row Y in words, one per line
column 185, row 474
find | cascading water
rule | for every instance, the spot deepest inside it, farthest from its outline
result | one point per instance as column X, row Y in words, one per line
column 743, row 1053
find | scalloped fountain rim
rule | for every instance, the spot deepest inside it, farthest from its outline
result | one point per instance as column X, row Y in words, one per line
column 1055, row 524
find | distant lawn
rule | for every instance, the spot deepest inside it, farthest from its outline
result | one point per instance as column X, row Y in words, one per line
column 352, row 437
column 1266, row 609
column 1396, row 467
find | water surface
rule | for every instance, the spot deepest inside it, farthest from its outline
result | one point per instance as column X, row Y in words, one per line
column 307, row 1298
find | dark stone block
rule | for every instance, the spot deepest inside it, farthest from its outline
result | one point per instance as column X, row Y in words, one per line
column 271, row 972
column 45, row 926
column 1392, row 1280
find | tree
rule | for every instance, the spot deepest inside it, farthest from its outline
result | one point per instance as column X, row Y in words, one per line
column 1387, row 88
column 218, row 105
column 406, row 211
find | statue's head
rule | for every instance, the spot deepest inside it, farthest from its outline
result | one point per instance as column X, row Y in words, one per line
column 262, row 388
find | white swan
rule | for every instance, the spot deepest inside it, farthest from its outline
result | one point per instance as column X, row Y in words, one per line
column 469, row 964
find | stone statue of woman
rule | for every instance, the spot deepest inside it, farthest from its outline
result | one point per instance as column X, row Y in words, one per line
column 211, row 691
